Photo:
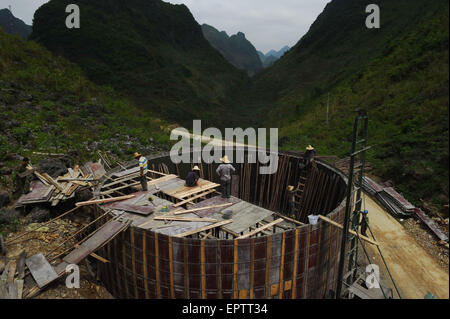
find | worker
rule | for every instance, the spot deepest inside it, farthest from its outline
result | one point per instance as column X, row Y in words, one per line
column 23, row 181
column 143, row 167
column 193, row 177
column 308, row 157
column 224, row 171
column 365, row 222
column 291, row 200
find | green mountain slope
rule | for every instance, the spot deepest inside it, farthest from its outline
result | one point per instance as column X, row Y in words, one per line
column 153, row 51
column 236, row 49
column 399, row 73
column 47, row 105
column 10, row 24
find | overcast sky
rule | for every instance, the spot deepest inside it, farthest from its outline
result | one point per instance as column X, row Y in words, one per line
column 268, row 24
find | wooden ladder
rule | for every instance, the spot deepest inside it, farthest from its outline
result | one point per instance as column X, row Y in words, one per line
column 301, row 187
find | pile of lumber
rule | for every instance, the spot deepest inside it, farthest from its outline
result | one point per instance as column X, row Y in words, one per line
column 394, row 202
column 399, row 207
column 54, row 190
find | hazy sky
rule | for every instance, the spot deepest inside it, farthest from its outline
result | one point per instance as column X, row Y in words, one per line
column 268, row 24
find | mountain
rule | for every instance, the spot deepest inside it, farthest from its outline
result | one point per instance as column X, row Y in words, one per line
column 10, row 24
column 272, row 56
column 278, row 54
column 47, row 105
column 152, row 51
column 236, row 49
column 399, row 73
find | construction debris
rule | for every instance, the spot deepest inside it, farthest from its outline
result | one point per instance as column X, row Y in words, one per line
column 395, row 203
column 49, row 190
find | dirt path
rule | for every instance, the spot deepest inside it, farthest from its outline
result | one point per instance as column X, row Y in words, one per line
column 414, row 270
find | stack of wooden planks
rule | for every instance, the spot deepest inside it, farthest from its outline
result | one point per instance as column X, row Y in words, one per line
column 55, row 190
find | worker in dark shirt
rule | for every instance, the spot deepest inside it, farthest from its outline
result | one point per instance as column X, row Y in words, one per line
column 193, row 177
column 308, row 158
column 23, row 177
column 365, row 222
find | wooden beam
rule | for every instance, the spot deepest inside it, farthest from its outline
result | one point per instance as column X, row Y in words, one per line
column 186, row 219
column 325, row 219
column 102, row 201
column 195, row 231
column 290, row 219
column 193, row 198
column 260, row 229
column 202, row 208
column 52, row 181
column 41, row 178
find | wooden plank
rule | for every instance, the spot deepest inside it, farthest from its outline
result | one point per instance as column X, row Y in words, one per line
column 52, row 181
column 350, row 231
column 202, row 208
column 189, row 200
column 289, row 219
column 21, row 264
column 225, row 222
column 246, row 215
column 260, row 229
column 431, row 224
column 12, row 271
column 102, row 201
column 186, row 219
column 137, row 209
column 107, row 232
column 42, row 272
column 19, row 288
column 41, row 178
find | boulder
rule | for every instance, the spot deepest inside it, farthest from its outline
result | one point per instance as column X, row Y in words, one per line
column 52, row 166
column 40, row 214
column 5, row 171
column 4, row 198
column 7, row 216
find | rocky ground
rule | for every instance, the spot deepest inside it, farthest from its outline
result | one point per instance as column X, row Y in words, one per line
column 420, row 232
column 45, row 239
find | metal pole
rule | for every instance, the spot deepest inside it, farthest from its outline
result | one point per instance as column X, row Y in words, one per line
column 348, row 209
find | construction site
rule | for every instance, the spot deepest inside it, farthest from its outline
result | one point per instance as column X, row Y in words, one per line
column 178, row 242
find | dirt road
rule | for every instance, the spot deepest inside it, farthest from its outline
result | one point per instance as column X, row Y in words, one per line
column 414, row 270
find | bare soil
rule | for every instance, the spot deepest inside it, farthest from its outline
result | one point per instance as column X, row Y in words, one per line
column 417, row 262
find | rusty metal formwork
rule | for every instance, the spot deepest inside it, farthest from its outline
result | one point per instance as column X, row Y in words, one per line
column 298, row 263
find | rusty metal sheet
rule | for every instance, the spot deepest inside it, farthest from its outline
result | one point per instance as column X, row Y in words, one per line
column 98, row 170
column 41, row 270
column 431, row 224
column 399, row 199
column 96, row 241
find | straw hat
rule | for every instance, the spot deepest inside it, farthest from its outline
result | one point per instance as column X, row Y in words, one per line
column 137, row 154
column 309, row 148
column 290, row 188
column 225, row 160
column 196, row 168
